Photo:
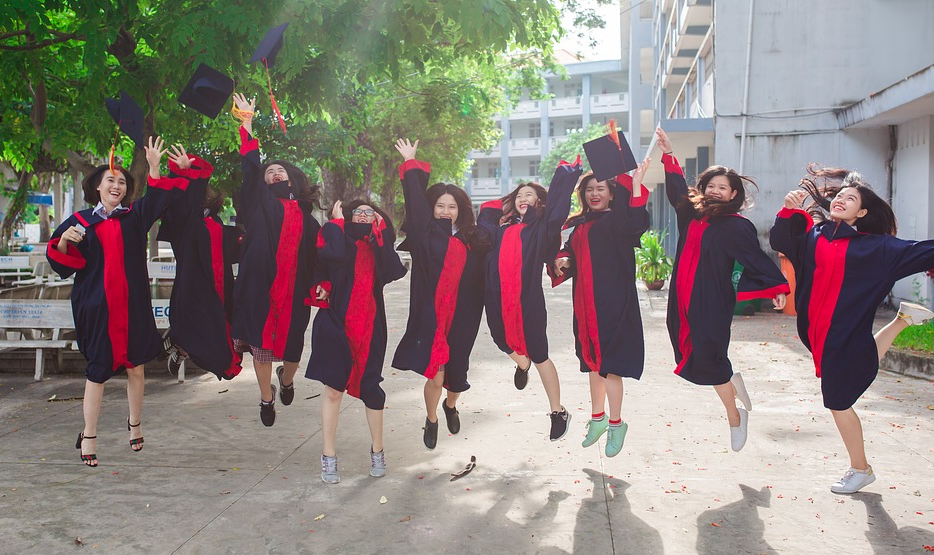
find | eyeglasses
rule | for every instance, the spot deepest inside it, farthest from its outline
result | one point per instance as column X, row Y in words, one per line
column 360, row 212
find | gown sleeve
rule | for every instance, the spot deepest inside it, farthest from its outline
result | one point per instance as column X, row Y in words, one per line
column 418, row 215
column 789, row 234
column 761, row 278
column 69, row 263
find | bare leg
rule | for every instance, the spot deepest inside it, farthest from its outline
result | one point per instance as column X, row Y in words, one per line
column 523, row 361
column 135, row 384
column 614, row 393
column 288, row 372
column 263, row 379
column 93, row 396
column 433, row 389
column 852, row 433
column 330, row 410
column 451, row 399
column 549, row 376
column 728, row 396
column 597, row 392
column 374, row 419
column 887, row 335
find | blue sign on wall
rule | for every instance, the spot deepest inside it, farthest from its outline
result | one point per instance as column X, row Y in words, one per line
column 39, row 198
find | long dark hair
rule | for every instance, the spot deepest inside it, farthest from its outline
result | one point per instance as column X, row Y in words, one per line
column 582, row 183
column 302, row 188
column 92, row 180
column 823, row 184
column 708, row 207
column 509, row 201
column 466, row 222
column 348, row 209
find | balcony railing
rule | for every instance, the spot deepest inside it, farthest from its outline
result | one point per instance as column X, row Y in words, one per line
column 488, row 186
column 526, row 109
column 603, row 103
column 524, row 146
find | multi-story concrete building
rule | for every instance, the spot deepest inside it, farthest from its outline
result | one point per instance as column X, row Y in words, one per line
column 594, row 92
column 769, row 86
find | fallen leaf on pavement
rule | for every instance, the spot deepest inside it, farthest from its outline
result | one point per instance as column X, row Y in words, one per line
column 383, row 500
column 319, row 517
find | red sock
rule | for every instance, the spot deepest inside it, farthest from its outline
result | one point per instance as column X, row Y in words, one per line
column 616, row 422
column 598, row 416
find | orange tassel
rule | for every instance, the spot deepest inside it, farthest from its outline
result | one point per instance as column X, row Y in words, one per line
column 113, row 147
column 614, row 136
column 272, row 98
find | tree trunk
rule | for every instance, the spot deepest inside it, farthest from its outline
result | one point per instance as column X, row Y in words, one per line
column 14, row 211
column 45, row 181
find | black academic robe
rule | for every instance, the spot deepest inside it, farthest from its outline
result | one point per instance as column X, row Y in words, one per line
column 607, row 322
column 202, row 295
column 701, row 298
column 841, row 277
column 277, row 258
column 515, row 301
column 445, row 302
column 348, row 336
column 110, row 299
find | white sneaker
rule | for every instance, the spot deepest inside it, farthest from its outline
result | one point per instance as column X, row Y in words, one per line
column 738, row 434
column 741, row 393
column 853, row 480
column 914, row 313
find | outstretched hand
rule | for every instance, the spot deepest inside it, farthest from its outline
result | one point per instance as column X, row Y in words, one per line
column 154, row 154
column 779, row 301
column 638, row 175
column 795, row 199
column 179, row 157
column 663, row 142
column 407, row 149
column 337, row 213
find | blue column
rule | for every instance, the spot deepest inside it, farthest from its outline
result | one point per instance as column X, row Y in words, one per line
column 545, row 143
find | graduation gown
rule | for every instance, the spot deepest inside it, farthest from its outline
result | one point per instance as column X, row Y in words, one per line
column 607, row 322
column 348, row 346
column 277, row 257
column 445, row 302
column 701, row 296
column 202, row 296
column 515, row 302
column 841, row 277
column 110, row 300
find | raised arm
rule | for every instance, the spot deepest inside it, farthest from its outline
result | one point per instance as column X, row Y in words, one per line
column 414, row 175
column 630, row 217
column 790, row 231
column 249, row 152
column 162, row 190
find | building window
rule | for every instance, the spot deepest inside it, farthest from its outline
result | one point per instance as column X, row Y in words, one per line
column 535, row 130
column 573, row 125
column 533, row 168
column 573, row 89
column 494, row 170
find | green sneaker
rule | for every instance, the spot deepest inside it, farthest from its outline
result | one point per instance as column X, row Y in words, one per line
column 595, row 429
column 614, row 439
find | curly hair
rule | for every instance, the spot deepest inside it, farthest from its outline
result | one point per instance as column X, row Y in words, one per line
column 509, row 201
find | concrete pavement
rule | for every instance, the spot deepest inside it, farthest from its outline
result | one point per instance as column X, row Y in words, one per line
column 212, row 479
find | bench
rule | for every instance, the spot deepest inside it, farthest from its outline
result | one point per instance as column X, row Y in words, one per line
column 44, row 323
column 14, row 267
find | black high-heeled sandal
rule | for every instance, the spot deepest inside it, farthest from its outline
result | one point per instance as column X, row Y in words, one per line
column 90, row 458
column 135, row 444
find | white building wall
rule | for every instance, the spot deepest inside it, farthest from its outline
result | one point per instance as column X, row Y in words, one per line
column 913, row 200
column 808, row 60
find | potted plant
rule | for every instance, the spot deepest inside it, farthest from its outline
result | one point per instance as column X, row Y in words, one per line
column 653, row 266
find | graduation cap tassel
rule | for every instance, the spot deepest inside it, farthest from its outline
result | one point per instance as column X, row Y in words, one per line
column 613, row 135
column 272, row 98
column 113, row 147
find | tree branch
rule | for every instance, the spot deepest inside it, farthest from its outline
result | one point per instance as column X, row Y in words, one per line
column 40, row 44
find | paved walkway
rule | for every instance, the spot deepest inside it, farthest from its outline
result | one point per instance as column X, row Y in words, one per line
column 212, row 479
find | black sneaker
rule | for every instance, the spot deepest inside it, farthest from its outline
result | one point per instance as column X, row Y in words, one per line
column 167, row 346
column 431, row 434
column 286, row 392
column 521, row 379
column 559, row 424
column 267, row 411
column 451, row 417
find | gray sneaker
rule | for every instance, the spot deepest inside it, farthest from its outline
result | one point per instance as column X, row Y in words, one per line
column 377, row 464
column 853, row 480
column 329, row 474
